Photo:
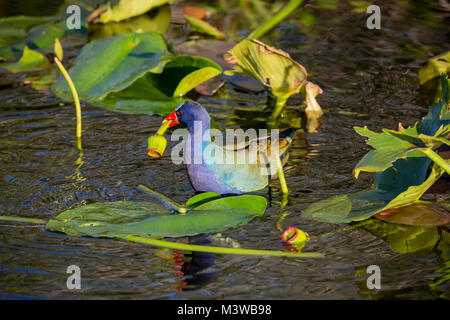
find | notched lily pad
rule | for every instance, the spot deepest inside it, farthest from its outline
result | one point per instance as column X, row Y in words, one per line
column 112, row 64
column 201, row 198
column 207, row 213
column 135, row 74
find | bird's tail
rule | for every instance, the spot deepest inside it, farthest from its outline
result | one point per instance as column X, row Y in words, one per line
column 288, row 134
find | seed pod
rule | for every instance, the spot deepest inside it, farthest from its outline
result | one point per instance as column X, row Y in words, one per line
column 294, row 236
column 156, row 146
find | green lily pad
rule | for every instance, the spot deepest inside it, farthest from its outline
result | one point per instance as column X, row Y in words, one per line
column 13, row 29
column 156, row 20
column 346, row 208
column 42, row 37
column 135, row 74
column 112, row 64
column 160, row 93
column 115, row 11
column 274, row 68
column 156, row 219
column 30, row 61
column 277, row 71
column 215, row 50
column 395, row 188
column 184, row 73
column 140, row 98
column 201, row 198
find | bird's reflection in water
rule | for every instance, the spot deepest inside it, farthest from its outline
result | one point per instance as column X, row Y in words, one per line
column 191, row 265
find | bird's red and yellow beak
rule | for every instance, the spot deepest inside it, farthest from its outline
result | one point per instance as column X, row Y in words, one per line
column 157, row 143
column 168, row 121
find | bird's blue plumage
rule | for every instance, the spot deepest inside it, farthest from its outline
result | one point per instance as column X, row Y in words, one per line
column 208, row 174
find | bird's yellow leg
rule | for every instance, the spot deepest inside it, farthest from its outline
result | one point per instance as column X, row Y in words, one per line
column 283, row 184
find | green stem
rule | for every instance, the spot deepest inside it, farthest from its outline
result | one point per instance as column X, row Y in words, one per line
column 219, row 250
column 283, row 184
column 283, row 13
column 166, row 201
column 75, row 98
column 21, row 219
column 189, row 247
column 437, row 159
column 280, row 102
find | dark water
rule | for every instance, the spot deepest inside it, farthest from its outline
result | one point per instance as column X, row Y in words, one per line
column 369, row 79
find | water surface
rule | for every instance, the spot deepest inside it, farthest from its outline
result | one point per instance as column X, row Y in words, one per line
column 369, row 78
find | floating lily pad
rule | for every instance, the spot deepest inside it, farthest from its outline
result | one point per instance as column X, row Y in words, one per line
column 160, row 93
column 140, row 98
column 346, row 208
column 42, row 37
column 155, row 219
column 215, row 50
column 115, row 11
column 201, row 198
column 112, row 64
column 30, row 61
column 13, row 29
column 135, row 74
column 156, row 20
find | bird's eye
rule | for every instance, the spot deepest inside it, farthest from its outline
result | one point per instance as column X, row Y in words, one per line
column 179, row 113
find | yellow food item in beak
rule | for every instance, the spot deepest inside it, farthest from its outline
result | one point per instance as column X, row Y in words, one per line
column 157, row 143
column 156, row 146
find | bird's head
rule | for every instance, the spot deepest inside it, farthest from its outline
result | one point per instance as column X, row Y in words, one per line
column 186, row 113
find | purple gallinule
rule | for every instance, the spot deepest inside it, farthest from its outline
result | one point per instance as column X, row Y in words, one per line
column 208, row 164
